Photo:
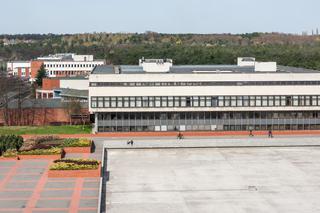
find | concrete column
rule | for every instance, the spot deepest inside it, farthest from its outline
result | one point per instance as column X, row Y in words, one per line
column 95, row 127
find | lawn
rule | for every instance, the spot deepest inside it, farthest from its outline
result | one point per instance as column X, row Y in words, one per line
column 40, row 130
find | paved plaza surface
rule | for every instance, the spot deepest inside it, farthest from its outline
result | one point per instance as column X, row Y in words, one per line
column 25, row 188
column 222, row 180
column 205, row 142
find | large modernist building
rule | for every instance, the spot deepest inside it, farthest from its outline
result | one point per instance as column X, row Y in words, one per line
column 158, row 96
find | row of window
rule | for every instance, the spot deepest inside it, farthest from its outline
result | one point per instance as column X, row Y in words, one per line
column 69, row 65
column 201, row 116
column 208, row 128
column 67, row 72
column 204, row 83
column 204, row 101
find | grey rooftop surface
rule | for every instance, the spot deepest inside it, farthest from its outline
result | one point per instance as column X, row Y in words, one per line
column 65, row 92
column 188, row 69
column 42, row 103
column 224, row 180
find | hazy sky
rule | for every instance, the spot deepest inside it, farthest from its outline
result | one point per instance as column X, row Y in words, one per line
column 167, row 16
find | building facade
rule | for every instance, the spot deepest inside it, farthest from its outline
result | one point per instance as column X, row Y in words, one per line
column 158, row 96
column 58, row 65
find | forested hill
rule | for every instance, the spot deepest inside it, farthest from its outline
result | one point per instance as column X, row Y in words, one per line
column 127, row 48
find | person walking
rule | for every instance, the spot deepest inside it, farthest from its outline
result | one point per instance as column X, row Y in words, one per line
column 250, row 133
column 270, row 134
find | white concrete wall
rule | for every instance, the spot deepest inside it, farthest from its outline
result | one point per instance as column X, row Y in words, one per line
column 80, row 84
column 265, row 66
column 83, row 57
column 205, row 90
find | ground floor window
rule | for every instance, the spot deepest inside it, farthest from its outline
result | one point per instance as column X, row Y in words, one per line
column 207, row 121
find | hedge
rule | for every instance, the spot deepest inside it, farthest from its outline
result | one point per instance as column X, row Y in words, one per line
column 10, row 142
column 76, row 142
column 51, row 151
column 75, row 164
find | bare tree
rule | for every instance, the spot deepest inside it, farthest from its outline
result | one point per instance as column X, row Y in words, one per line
column 13, row 89
column 72, row 107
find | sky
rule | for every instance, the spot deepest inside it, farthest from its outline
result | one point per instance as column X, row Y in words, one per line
column 164, row 16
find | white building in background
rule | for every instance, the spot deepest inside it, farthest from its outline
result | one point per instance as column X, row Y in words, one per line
column 19, row 68
column 57, row 65
column 159, row 96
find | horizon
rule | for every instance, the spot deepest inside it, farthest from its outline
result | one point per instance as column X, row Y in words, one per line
column 169, row 17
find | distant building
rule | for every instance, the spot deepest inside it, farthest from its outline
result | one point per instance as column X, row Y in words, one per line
column 58, row 65
column 159, row 96
column 64, row 88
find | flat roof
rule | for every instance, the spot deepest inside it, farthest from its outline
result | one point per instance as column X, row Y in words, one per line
column 187, row 69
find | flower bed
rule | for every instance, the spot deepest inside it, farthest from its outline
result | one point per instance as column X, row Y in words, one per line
column 75, row 145
column 10, row 154
column 53, row 153
column 66, row 168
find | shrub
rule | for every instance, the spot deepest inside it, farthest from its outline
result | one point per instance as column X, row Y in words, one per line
column 41, row 142
column 75, row 164
column 51, row 151
column 10, row 153
column 76, row 142
column 10, row 142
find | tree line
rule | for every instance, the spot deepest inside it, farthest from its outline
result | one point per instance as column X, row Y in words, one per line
column 286, row 49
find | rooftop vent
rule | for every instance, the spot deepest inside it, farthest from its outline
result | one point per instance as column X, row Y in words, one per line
column 246, row 61
column 117, row 70
column 155, row 65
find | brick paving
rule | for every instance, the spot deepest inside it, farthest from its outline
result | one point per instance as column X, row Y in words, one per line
column 25, row 188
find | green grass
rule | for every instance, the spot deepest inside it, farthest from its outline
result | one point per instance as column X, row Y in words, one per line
column 43, row 130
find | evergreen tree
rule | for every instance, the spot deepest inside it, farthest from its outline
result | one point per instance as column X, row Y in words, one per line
column 42, row 73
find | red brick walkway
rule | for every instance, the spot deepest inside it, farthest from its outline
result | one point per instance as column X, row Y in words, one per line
column 189, row 134
column 25, row 188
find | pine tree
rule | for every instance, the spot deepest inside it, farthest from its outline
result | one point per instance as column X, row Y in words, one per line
column 42, row 73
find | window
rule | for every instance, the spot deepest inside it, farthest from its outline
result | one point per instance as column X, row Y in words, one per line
column 170, row 101
column 126, row 102
column 264, row 101
column 100, row 102
column 113, row 102
column 239, row 101
column 151, row 101
column 94, row 102
column 138, row 102
column 288, row 100
column 183, row 102
column 119, row 101
column 277, row 100
column 295, row 100
column 195, row 101
column 145, row 102
column 214, row 101
column 221, row 101
column 132, row 102
column 258, row 100
column 314, row 100
column 164, row 102
column 226, row 101
column 233, row 101
column 177, row 101
column 208, row 101
column 106, row 102
column 188, row 101
column 202, row 101
column 158, row 102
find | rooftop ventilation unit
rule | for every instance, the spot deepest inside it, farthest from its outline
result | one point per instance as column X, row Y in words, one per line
column 155, row 65
column 246, row 61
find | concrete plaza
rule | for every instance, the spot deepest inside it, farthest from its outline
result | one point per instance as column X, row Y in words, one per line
column 222, row 180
